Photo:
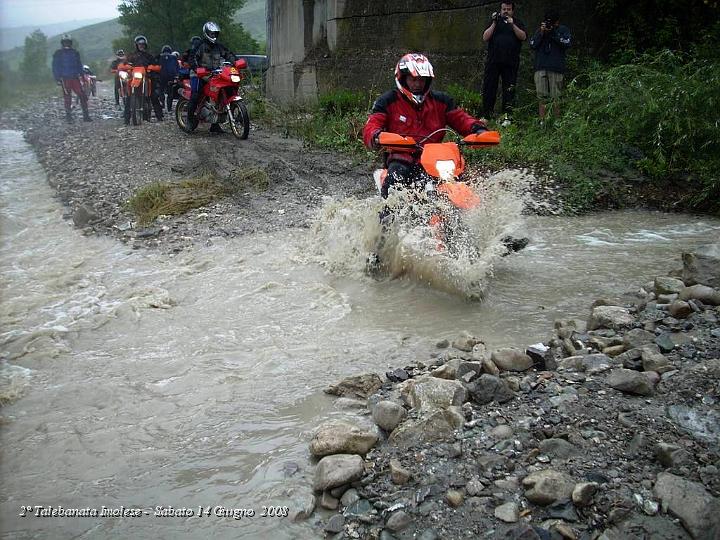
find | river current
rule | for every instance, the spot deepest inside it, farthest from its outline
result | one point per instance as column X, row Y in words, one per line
column 134, row 379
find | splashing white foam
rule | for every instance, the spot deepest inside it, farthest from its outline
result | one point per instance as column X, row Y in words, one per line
column 346, row 231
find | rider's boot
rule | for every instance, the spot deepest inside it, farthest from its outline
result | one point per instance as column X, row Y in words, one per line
column 68, row 117
column 86, row 114
column 373, row 263
column 189, row 125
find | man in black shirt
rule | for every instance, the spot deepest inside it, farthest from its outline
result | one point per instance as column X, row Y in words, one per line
column 504, row 37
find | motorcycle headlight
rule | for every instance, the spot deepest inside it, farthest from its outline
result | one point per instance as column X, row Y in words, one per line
column 446, row 169
column 235, row 78
column 123, row 75
column 138, row 75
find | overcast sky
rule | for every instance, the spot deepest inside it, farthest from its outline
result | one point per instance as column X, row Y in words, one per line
column 37, row 12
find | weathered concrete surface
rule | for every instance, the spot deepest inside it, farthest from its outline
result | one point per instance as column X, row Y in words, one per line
column 316, row 46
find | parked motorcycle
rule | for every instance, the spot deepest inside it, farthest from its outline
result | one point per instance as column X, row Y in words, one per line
column 220, row 101
column 122, row 74
column 139, row 88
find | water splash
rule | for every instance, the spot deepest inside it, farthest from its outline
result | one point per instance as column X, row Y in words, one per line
column 456, row 257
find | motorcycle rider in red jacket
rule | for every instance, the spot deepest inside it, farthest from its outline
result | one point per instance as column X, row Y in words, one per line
column 414, row 110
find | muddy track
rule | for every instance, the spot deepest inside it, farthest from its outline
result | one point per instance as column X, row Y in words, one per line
column 96, row 167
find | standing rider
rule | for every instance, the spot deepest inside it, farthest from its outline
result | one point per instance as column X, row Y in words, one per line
column 168, row 74
column 211, row 55
column 119, row 59
column 67, row 70
column 141, row 57
column 416, row 111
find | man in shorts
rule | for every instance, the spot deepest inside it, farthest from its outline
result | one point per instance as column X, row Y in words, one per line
column 550, row 43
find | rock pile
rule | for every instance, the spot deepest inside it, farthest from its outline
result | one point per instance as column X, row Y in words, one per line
column 610, row 430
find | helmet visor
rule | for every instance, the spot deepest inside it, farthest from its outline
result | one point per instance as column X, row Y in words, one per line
column 213, row 35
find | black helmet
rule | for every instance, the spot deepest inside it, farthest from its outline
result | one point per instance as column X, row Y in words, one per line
column 195, row 41
column 211, row 31
column 120, row 52
column 66, row 38
column 166, row 49
column 140, row 40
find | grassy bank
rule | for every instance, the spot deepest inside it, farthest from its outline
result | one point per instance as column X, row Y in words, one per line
column 651, row 123
column 16, row 92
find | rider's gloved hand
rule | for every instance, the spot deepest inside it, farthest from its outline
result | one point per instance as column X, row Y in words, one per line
column 478, row 128
column 376, row 140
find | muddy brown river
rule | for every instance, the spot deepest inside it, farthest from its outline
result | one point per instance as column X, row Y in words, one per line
column 185, row 388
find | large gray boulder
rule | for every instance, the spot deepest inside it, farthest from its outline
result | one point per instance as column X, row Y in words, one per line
column 428, row 393
column 337, row 470
column 388, row 414
column 547, row 486
column 511, row 359
column 667, row 285
column 356, row 386
column 591, row 363
column 435, row 425
column 630, row 382
column 614, row 317
column 337, row 437
column 697, row 509
column 707, row 295
column 702, row 266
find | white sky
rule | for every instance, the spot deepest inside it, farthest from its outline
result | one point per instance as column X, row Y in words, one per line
column 37, row 12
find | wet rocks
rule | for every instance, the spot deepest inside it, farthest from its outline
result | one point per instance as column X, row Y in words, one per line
column 428, row 393
column 614, row 317
column 338, row 437
column 702, row 266
column 697, row 509
column 707, row 295
column 511, row 359
column 337, row 470
column 356, row 386
column 508, row 512
column 398, row 521
column 388, row 414
column 84, row 215
column 630, row 382
column 547, row 486
column 668, row 285
column 559, row 452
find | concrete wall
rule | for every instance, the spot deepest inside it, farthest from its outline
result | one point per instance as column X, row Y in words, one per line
column 317, row 46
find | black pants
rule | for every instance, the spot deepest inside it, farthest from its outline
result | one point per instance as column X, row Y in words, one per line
column 407, row 174
column 117, row 90
column 154, row 100
column 494, row 71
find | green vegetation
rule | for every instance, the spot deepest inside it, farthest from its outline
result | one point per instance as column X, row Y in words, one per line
column 165, row 198
column 653, row 119
column 174, row 22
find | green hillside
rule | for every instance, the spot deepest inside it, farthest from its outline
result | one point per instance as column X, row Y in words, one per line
column 252, row 17
column 94, row 43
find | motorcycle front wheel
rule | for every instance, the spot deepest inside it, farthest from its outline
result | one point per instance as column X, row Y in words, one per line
column 181, row 115
column 239, row 120
column 136, row 106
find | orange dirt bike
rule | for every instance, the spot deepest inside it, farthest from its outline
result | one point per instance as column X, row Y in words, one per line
column 446, row 197
column 220, row 100
column 140, row 88
column 122, row 73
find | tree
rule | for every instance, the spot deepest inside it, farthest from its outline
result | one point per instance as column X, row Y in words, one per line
column 174, row 22
column 34, row 62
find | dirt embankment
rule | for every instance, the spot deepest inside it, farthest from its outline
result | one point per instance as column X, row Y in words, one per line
column 97, row 167
column 273, row 181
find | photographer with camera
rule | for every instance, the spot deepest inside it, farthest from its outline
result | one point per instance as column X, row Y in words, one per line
column 550, row 43
column 504, row 36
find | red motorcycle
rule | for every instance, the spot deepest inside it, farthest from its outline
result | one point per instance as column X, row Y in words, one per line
column 220, row 101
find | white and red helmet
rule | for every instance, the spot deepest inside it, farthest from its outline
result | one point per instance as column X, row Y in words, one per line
column 416, row 65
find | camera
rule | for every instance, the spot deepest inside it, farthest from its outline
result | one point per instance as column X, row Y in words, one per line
column 499, row 17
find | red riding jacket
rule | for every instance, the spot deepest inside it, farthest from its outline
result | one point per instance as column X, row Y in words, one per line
column 393, row 112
